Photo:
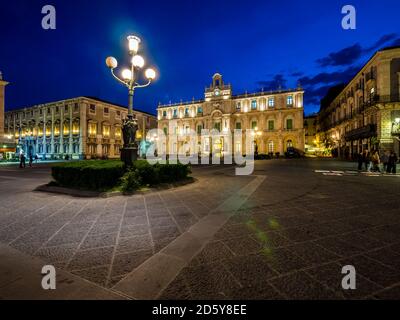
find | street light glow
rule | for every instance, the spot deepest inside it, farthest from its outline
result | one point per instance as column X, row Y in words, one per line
column 133, row 42
column 150, row 74
column 397, row 120
column 111, row 62
column 126, row 74
column 138, row 61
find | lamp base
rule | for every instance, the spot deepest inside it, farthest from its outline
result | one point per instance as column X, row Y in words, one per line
column 129, row 155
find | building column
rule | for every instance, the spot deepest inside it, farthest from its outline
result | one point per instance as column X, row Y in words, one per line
column 83, row 130
column 52, row 132
column 61, row 140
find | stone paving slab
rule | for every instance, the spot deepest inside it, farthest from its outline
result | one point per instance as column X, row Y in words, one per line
column 20, row 279
column 292, row 237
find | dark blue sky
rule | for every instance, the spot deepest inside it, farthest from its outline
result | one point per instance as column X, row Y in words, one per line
column 253, row 44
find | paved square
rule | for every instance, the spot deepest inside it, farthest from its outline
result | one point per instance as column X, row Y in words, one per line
column 283, row 233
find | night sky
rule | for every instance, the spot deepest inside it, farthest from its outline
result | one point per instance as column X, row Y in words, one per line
column 254, row 44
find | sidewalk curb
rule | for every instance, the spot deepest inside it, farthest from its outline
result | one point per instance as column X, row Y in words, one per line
column 96, row 194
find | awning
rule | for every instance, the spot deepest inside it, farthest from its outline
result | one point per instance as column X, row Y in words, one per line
column 367, row 131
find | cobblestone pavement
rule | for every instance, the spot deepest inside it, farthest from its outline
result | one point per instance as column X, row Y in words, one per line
column 288, row 239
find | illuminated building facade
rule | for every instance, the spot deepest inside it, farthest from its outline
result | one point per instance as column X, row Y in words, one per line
column 365, row 114
column 79, row 128
column 275, row 117
column 7, row 145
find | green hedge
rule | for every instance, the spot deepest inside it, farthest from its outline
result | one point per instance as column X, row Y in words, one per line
column 102, row 175
column 90, row 174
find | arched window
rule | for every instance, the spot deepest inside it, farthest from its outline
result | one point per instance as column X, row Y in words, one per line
column 289, row 144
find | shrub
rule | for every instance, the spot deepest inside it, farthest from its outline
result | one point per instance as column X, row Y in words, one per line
column 90, row 174
column 131, row 181
column 102, row 175
column 147, row 172
column 172, row 172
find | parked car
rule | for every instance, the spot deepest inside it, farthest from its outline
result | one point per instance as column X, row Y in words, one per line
column 293, row 153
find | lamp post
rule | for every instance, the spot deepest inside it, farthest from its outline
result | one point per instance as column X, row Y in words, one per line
column 129, row 78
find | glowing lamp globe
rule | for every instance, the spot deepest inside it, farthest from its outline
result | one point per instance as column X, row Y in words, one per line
column 133, row 43
column 111, row 62
column 138, row 61
column 126, row 74
column 150, row 74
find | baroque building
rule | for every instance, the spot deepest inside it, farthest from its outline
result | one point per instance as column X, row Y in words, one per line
column 80, row 128
column 275, row 117
column 7, row 145
column 365, row 113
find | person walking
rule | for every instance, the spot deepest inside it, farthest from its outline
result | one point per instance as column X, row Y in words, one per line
column 360, row 159
column 392, row 164
column 22, row 163
column 375, row 162
column 385, row 160
column 367, row 160
column 30, row 160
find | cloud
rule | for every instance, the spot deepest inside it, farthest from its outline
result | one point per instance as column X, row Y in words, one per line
column 278, row 81
column 329, row 77
column 349, row 55
column 382, row 41
column 343, row 57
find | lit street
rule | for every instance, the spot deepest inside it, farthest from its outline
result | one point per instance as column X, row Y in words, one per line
column 284, row 232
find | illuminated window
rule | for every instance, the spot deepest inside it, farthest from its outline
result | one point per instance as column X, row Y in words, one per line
column 106, row 131
column 57, row 129
column 66, row 128
column 270, row 147
column 75, row 127
column 289, row 100
column 118, row 133
column 271, row 102
column 92, row 129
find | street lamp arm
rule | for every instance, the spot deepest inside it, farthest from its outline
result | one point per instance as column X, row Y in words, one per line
column 118, row 79
column 142, row 85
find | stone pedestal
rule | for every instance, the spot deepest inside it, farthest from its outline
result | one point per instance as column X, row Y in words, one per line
column 129, row 155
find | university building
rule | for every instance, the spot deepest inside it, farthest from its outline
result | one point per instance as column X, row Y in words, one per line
column 275, row 117
column 80, row 128
column 365, row 113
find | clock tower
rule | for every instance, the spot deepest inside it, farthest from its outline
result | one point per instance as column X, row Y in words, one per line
column 218, row 90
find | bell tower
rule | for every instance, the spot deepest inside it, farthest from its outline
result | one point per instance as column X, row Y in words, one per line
column 2, row 103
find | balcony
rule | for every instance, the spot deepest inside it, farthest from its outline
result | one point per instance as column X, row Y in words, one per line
column 365, row 132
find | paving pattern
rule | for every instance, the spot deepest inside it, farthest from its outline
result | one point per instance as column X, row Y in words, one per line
column 102, row 240
column 286, row 245
column 288, row 240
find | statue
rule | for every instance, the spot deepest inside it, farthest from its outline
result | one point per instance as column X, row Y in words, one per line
column 129, row 129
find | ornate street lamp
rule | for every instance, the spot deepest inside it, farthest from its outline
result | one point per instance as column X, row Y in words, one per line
column 129, row 78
